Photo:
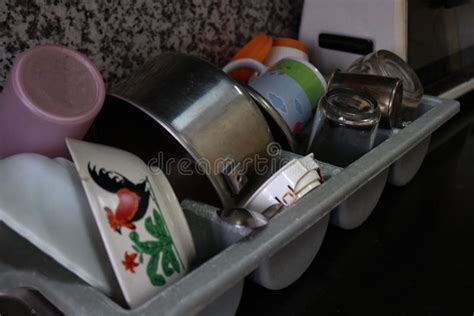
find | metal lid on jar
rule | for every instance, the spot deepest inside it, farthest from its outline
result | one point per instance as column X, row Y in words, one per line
column 351, row 108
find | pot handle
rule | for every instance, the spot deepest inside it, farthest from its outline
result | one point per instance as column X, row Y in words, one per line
column 245, row 63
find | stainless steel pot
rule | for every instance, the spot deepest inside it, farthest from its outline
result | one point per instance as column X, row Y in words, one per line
column 190, row 119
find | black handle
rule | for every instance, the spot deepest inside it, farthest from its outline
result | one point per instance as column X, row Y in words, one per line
column 347, row 44
column 448, row 4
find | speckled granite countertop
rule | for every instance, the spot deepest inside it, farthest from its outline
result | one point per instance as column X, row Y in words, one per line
column 119, row 35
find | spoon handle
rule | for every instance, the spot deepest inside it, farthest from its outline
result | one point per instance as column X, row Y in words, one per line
column 272, row 210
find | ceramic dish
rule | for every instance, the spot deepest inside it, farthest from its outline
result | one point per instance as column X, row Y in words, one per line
column 291, row 182
column 142, row 225
column 43, row 200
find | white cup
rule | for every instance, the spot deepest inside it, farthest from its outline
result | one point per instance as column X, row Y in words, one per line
column 277, row 53
column 282, row 48
column 246, row 63
column 292, row 86
column 290, row 183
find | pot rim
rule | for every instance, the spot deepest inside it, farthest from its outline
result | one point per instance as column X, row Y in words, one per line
column 224, row 198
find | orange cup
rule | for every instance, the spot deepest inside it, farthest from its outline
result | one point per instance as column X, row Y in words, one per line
column 257, row 48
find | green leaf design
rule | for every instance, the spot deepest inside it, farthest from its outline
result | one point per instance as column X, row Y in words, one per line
column 155, row 278
column 161, row 248
column 151, row 228
column 159, row 222
column 170, row 263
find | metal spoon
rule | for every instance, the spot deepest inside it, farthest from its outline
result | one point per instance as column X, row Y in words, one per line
column 246, row 218
column 243, row 218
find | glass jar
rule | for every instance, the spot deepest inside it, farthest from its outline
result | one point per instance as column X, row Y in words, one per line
column 344, row 127
column 387, row 64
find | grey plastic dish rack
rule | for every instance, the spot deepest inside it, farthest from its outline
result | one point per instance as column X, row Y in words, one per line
column 274, row 256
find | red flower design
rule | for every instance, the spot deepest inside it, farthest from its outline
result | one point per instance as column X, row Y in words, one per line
column 129, row 262
column 297, row 127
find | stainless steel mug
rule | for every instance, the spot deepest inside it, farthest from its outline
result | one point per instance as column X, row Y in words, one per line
column 388, row 92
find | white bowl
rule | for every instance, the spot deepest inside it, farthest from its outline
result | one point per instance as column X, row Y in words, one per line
column 141, row 222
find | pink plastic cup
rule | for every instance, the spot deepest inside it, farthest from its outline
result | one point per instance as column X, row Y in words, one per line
column 51, row 93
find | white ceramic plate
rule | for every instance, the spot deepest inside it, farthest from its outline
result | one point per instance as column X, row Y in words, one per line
column 42, row 199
